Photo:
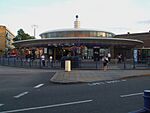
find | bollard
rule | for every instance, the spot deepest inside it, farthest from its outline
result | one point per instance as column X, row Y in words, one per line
column 8, row 61
column 40, row 61
column 147, row 100
column 68, row 65
column 146, row 108
column 124, row 62
column 96, row 63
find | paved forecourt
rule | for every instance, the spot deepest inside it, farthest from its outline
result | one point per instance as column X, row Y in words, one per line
column 77, row 76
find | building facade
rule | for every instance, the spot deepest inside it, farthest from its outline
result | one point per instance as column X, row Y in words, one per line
column 143, row 50
column 86, row 43
column 6, row 39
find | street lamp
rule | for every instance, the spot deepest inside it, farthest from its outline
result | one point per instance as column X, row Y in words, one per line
column 34, row 29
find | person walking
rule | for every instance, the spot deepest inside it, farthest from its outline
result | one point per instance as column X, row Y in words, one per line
column 105, row 63
column 109, row 56
column 119, row 58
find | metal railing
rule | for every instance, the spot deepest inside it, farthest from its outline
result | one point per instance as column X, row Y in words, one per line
column 81, row 64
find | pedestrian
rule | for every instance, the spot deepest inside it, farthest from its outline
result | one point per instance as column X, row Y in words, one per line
column 50, row 59
column 43, row 60
column 119, row 58
column 109, row 56
column 105, row 63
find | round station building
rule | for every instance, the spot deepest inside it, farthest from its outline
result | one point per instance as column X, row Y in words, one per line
column 86, row 43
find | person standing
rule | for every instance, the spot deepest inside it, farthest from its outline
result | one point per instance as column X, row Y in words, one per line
column 51, row 60
column 43, row 60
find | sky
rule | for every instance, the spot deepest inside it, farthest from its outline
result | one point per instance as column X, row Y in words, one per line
column 116, row 16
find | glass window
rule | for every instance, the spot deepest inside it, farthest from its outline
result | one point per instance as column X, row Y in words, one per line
column 103, row 34
column 100, row 34
column 97, row 34
column 109, row 35
column 91, row 34
column 49, row 35
column 71, row 34
column 53, row 34
column 44, row 36
column 64, row 34
column 57, row 34
column 90, row 53
column 94, row 34
column 75, row 34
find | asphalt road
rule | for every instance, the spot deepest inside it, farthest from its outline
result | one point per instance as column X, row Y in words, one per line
column 33, row 93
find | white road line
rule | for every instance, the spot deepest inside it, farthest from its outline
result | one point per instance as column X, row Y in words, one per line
column 1, row 105
column 20, row 95
column 48, row 106
column 129, row 95
column 123, row 80
column 113, row 81
column 97, row 83
column 106, row 82
column 38, row 86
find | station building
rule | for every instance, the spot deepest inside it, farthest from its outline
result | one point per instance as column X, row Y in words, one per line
column 86, row 43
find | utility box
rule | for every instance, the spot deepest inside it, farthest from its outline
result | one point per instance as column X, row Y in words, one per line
column 67, row 65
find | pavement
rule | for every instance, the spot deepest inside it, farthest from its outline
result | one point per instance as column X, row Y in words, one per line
column 80, row 76
column 77, row 76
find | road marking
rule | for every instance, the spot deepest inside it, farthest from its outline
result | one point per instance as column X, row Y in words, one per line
column 97, row 83
column 38, row 86
column 113, row 81
column 1, row 105
column 48, row 106
column 123, row 80
column 20, row 95
column 106, row 82
column 129, row 95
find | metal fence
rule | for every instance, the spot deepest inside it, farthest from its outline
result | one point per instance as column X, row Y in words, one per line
column 81, row 64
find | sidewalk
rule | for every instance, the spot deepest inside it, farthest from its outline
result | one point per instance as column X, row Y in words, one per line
column 15, row 70
column 76, row 76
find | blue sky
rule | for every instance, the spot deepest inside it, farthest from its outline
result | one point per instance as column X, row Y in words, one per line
column 117, row 16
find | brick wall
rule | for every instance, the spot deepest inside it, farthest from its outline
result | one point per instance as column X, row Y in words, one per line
column 145, row 37
column 2, row 38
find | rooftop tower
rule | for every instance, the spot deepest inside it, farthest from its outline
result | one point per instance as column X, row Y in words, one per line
column 77, row 23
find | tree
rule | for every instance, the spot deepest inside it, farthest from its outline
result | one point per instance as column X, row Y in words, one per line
column 23, row 36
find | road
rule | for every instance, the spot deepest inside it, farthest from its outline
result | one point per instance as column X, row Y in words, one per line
column 34, row 93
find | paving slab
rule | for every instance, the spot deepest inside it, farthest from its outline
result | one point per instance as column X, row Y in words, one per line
column 76, row 76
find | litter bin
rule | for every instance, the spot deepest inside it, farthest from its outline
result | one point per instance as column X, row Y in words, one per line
column 67, row 65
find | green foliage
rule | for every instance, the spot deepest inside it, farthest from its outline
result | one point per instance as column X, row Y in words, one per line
column 23, row 36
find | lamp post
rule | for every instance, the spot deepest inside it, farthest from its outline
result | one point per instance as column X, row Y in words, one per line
column 34, row 29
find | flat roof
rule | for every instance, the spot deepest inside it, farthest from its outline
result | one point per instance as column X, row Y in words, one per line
column 85, row 40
